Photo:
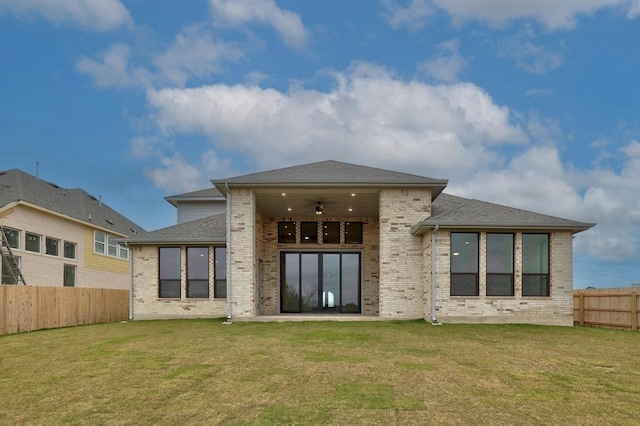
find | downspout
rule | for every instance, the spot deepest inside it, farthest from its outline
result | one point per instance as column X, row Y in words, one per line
column 130, row 281
column 228, row 248
column 434, row 320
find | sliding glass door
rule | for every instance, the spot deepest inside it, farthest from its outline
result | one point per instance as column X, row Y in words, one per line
column 320, row 282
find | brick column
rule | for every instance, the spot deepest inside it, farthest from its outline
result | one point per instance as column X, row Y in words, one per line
column 242, row 253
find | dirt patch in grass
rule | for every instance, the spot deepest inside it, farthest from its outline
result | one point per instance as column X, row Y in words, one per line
column 204, row 372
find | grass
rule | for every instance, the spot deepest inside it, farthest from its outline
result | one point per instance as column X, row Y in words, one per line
column 203, row 372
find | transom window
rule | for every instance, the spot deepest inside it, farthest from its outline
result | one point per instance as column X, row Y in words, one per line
column 331, row 232
column 535, row 265
column 353, row 233
column 464, row 264
column 309, row 232
column 286, row 232
column 499, row 264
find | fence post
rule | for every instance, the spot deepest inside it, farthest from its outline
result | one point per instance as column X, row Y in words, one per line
column 581, row 308
column 634, row 310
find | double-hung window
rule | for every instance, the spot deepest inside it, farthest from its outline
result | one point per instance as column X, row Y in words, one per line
column 535, row 265
column 499, row 264
column 464, row 264
column 169, row 272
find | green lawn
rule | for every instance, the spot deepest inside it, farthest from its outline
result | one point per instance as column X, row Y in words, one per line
column 204, row 372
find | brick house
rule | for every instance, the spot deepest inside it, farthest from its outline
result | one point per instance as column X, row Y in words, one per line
column 342, row 239
column 62, row 237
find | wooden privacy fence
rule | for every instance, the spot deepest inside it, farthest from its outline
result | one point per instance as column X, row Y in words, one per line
column 28, row 308
column 611, row 308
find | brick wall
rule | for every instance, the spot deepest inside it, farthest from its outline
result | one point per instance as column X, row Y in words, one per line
column 557, row 309
column 242, row 253
column 147, row 304
column 402, row 273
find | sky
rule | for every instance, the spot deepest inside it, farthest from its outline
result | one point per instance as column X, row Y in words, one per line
column 528, row 104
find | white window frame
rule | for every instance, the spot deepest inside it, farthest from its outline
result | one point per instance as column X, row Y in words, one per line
column 110, row 247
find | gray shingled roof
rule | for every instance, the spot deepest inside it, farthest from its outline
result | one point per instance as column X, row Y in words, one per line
column 16, row 185
column 211, row 229
column 209, row 194
column 331, row 173
column 450, row 211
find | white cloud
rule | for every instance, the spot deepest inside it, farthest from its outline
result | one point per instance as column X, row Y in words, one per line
column 194, row 54
column 634, row 9
column 369, row 117
column 238, row 13
column 446, row 65
column 530, row 57
column 98, row 15
column 112, row 69
column 175, row 175
column 412, row 16
column 552, row 14
column 538, row 92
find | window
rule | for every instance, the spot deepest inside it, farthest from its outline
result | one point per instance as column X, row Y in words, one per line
column 198, row 272
column 112, row 246
column 13, row 237
column 9, row 276
column 99, row 239
column 69, row 276
column 464, row 264
column 220, row 272
column 353, row 233
column 309, row 232
column 331, row 232
column 535, row 264
column 499, row 264
column 286, row 232
column 69, row 250
column 32, row 242
column 52, row 246
column 169, row 277
column 108, row 244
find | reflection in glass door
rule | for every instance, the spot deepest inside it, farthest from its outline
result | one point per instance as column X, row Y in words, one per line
column 320, row 282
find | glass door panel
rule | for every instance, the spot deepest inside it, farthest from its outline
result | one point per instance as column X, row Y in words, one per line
column 330, row 281
column 290, row 282
column 350, row 283
column 309, row 283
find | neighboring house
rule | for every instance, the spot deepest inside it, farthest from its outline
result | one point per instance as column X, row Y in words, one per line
column 342, row 239
column 198, row 204
column 63, row 237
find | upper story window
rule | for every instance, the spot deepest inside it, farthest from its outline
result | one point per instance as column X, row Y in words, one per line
column 499, row 264
column 107, row 244
column 52, row 246
column 32, row 242
column 69, row 250
column 13, row 237
column 464, row 264
column 535, row 265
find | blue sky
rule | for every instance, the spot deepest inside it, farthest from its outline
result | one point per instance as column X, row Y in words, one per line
column 529, row 104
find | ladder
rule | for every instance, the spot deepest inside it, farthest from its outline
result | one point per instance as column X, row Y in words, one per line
column 10, row 262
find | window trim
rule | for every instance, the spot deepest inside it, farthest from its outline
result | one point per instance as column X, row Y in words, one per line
column 107, row 243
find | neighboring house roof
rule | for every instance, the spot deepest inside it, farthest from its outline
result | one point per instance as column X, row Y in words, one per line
column 209, row 194
column 449, row 211
column 211, row 230
column 331, row 173
column 18, row 187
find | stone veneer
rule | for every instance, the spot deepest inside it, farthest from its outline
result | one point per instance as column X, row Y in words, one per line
column 402, row 283
column 557, row 309
column 147, row 304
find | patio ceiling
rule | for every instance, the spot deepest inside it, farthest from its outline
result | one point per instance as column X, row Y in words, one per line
column 302, row 202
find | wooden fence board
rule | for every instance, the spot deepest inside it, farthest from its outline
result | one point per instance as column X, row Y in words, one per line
column 28, row 308
column 612, row 308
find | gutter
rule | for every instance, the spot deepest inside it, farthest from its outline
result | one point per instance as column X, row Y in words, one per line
column 434, row 320
column 228, row 247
